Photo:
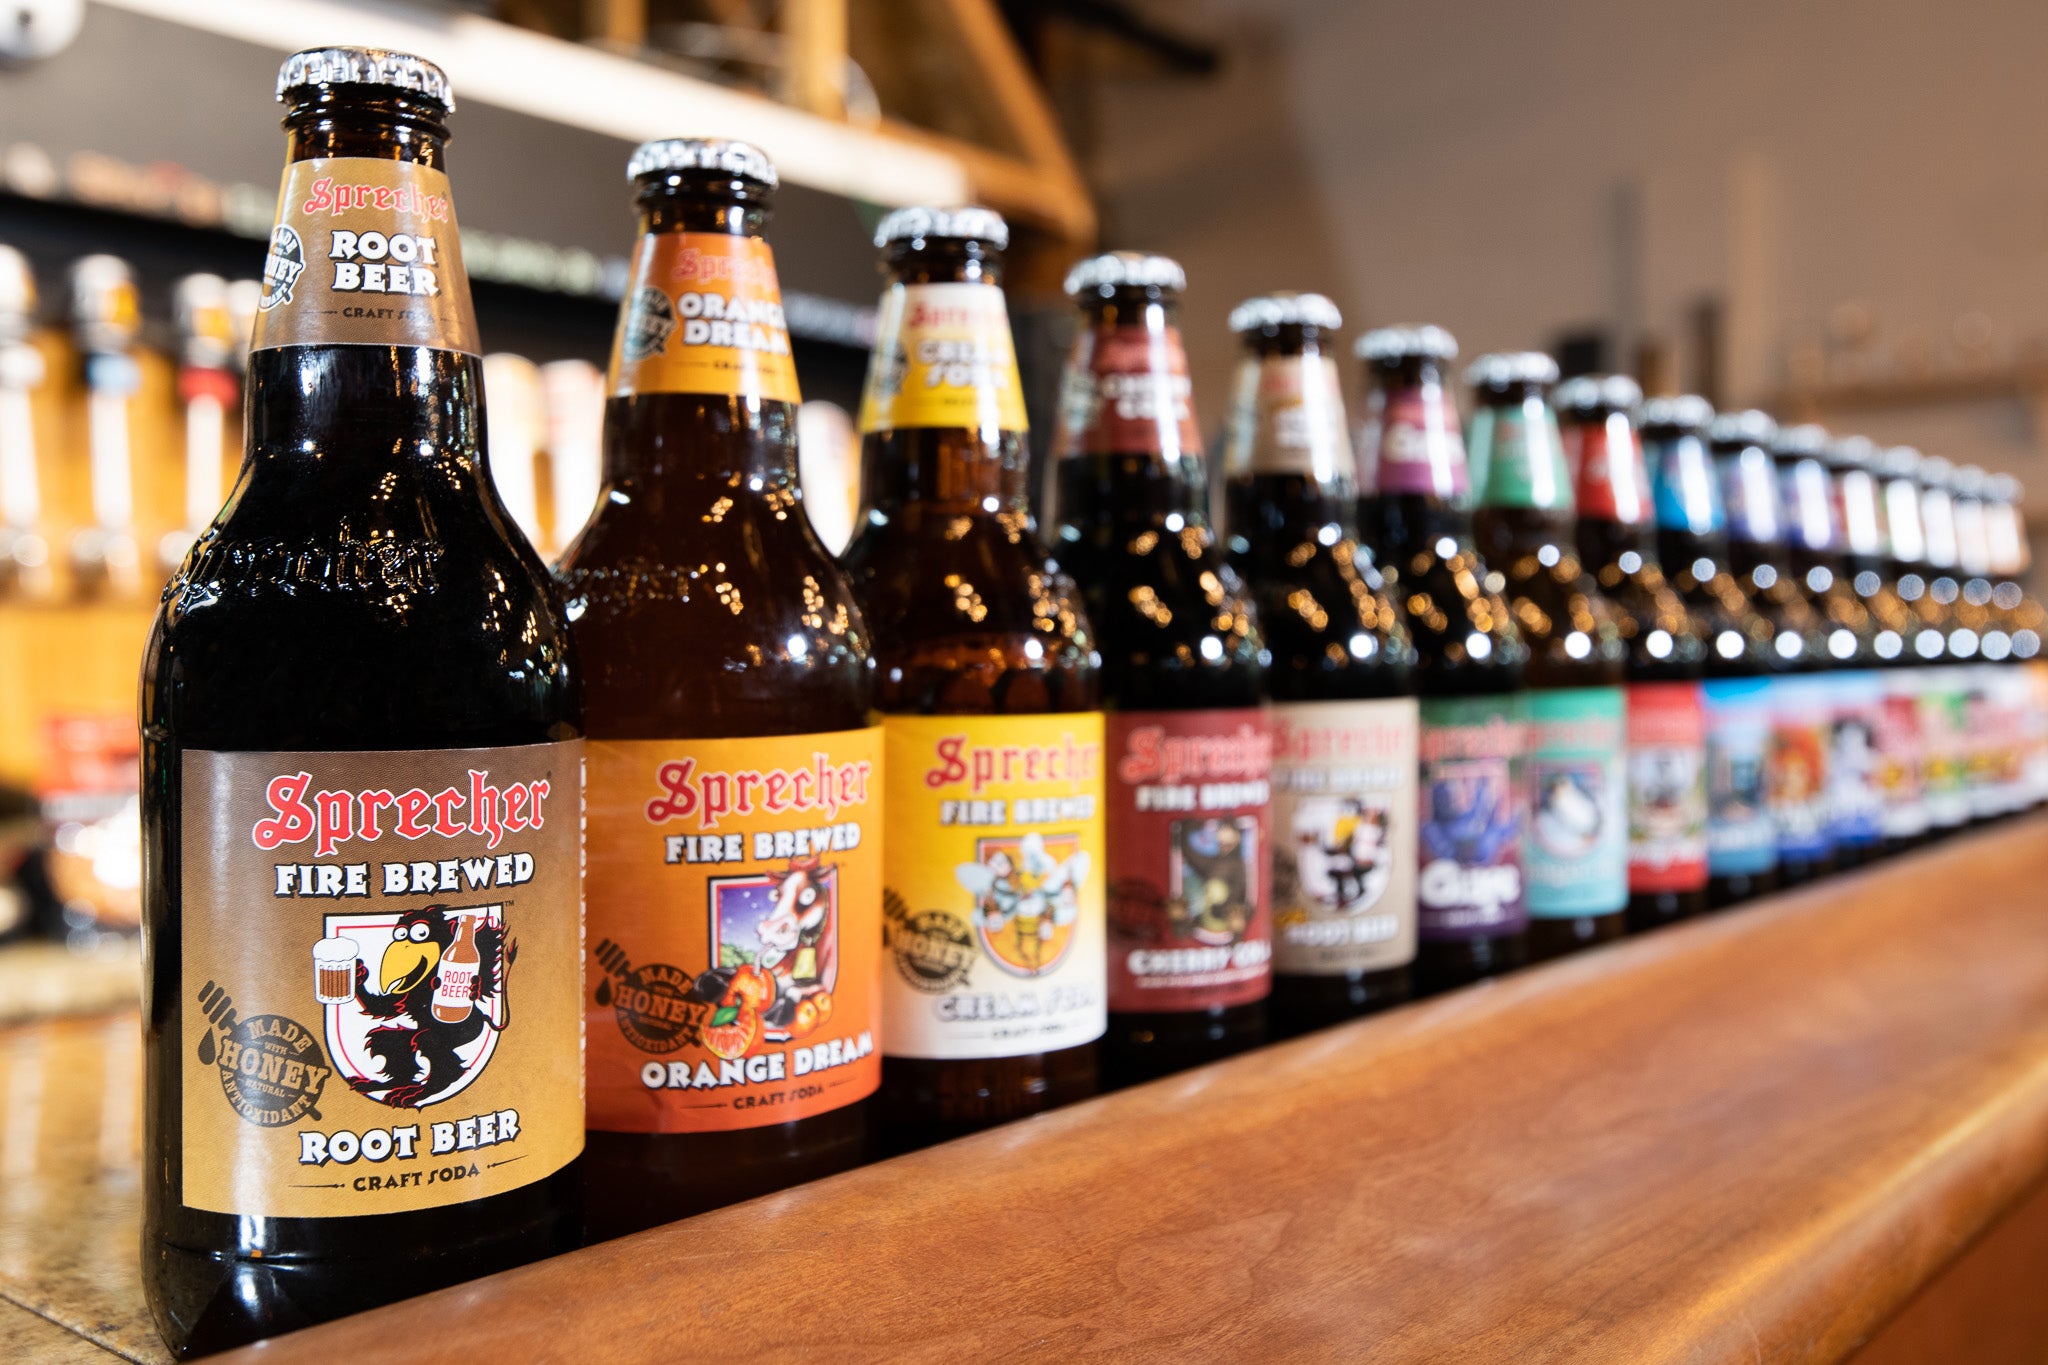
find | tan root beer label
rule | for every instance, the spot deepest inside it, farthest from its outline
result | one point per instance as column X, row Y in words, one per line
column 365, row 252
column 995, row 902
column 381, row 956
column 1289, row 413
column 943, row 358
column 735, row 924
column 703, row 314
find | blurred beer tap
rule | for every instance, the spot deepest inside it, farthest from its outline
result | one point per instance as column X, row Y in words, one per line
column 24, row 554
column 107, row 318
column 574, row 393
column 512, row 418
column 207, row 348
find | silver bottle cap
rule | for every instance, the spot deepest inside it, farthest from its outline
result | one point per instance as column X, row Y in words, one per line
column 741, row 160
column 960, row 224
column 1114, row 270
column 1504, row 369
column 1594, row 392
column 1428, row 341
column 1285, row 310
column 1680, row 412
column 1749, row 427
column 320, row 67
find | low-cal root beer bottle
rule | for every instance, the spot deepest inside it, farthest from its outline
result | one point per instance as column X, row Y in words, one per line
column 1472, row 791
column 734, row 846
column 993, row 861
column 1341, row 678
column 362, row 821
column 1667, row 652
column 1575, row 845
column 1189, row 756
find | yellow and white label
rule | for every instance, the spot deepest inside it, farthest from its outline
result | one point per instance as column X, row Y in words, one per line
column 943, row 358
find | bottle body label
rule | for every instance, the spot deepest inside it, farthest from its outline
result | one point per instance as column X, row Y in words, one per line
column 1855, row 796
column 1473, row 796
column 735, row 890
column 1797, row 778
column 1742, row 839
column 1344, row 810
column 365, row 253
column 703, row 314
column 1900, row 753
column 1944, row 763
column 1190, row 859
column 431, row 1050
column 993, row 917
column 943, row 358
column 1125, row 390
column 1667, row 787
column 1577, row 845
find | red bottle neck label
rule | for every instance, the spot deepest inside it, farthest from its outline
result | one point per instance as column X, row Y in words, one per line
column 1126, row 391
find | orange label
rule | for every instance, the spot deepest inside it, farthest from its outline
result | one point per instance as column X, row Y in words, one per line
column 703, row 314
column 735, row 894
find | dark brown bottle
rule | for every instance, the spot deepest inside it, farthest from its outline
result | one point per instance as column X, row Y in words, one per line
column 1415, row 486
column 1575, row 846
column 994, row 874
column 1190, row 956
column 1667, row 652
column 719, row 642
column 359, row 666
column 1692, row 542
column 1341, row 678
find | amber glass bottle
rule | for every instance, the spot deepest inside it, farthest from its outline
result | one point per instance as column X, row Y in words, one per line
column 993, row 987
column 1190, row 961
column 1341, row 678
column 1575, row 845
column 361, row 747
column 734, row 773
column 1667, row 652
column 1473, row 797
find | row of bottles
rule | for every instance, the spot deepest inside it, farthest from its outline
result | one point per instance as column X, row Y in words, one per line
column 957, row 826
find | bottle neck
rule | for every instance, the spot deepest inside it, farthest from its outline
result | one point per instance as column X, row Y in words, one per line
column 1938, row 526
column 1287, row 420
column 1527, row 499
column 1808, row 496
column 1859, row 514
column 1410, row 446
column 1973, row 537
column 1684, row 488
column 1905, row 543
column 1126, row 403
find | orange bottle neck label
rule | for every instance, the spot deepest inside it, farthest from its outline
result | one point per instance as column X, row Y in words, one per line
column 703, row 314
column 365, row 252
column 943, row 358
column 735, row 892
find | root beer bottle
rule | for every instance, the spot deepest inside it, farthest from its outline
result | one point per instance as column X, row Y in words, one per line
column 1667, row 653
column 1575, row 845
column 1944, row 692
column 1473, row 797
column 1189, row 776
column 1341, row 678
column 1692, row 541
column 734, row 847
column 362, row 772
column 993, row 993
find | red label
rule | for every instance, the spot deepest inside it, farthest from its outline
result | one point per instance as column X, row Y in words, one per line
column 1608, row 473
column 1126, row 391
column 1667, row 787
column 1190, row 901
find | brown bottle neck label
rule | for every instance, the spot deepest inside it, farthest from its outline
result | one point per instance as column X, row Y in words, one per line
column 703, row 314
column 365, row 253
column 1126, row 391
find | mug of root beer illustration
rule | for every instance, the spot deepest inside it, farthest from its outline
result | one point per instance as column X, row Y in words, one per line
column 1342, row 860
column 1027, row 898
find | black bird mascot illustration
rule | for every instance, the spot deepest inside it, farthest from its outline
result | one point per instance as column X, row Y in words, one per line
column 418, row 1049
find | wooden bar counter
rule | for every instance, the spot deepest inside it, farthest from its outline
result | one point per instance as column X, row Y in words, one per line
column 1811, row 1129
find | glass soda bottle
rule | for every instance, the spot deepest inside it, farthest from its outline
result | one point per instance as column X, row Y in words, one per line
column 1692, row 540
column 361, row 745
column 1190, row 753
column 1471, row 892
column 1667, row 652
column 993, row 853
column 1944, row 686
column 1575, row 846
column 1341, row 678
column 734, row 845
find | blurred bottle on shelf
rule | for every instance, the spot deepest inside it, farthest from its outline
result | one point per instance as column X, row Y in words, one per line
column 1414, row 490
column 24, row 552
column 2017, row 614
column 573, row 396
column 107, row 321
column 513, row 418
column 1341, row 678
column 1575, row 846
column 1666, row 649
column 1183, row 668
column 1945, row 685
column 208, row 354
column 1692, row 542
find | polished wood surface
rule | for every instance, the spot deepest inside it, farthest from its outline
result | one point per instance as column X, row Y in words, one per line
column 1750, row 1138
column 1779, row 1134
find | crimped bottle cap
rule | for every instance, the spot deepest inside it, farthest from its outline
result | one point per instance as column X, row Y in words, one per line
column 1285, row 310
column 320, row 67
column 1505, row 369
column 1114, row 270
column 1426, row 340
column 960, row 224
column 1679, row 412
column 1808, row 440
column 741, row 160
column 1901, row 462
column 1749, row 427
column 1597, row 393
column 1852, row 452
